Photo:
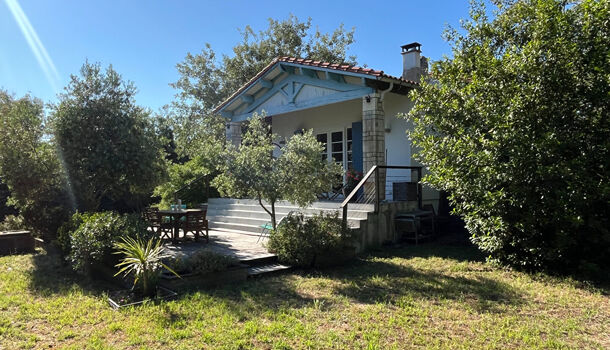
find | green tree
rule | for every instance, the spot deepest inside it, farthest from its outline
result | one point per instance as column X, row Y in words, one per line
column 189, row 182
column 107, row 143
column 515, row 127
column 252, row 170
column 207, row 81
column 29, row 165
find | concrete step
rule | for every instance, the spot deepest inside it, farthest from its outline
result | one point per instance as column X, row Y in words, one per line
column 320, row 205
column 247, row 211
column 256, row 271
column 232, row 219
column 224, row 226
column 260, row 260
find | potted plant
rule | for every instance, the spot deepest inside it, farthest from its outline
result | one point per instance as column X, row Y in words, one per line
column 143, row 261
column 353, row 177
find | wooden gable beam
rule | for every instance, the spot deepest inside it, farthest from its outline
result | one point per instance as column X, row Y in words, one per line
column 267, row 84
column 247, row 98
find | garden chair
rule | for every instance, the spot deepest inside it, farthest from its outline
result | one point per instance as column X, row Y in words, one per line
column 157, row 223
column 267, row 227
column 197, row 224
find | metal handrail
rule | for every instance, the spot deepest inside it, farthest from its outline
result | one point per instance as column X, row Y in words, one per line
column 375, row 170
column 360, row 184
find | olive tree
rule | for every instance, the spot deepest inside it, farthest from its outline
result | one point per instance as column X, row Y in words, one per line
column 515, row 127
column 298, row 175
column 29, row 166
column 108, row 144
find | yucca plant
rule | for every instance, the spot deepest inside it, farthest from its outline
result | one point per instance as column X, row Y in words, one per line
column 144, row 260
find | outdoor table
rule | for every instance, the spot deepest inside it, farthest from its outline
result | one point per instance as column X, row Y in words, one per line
column 175, row 216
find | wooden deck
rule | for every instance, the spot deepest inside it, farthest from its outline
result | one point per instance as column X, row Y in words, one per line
column 242, row 246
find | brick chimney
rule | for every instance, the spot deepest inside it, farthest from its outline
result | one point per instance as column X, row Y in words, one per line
column 413, row 64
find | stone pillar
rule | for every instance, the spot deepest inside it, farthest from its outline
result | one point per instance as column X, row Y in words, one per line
column 373, row 141
column 234, row 133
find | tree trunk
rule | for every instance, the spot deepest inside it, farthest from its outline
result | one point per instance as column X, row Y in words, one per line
column 273, row 216
column 271, row 213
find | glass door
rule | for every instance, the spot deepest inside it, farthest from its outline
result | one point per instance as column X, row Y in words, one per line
column 337, row 147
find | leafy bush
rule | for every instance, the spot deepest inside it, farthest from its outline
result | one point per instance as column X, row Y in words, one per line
column 202, row 261
column 12, row 222
column 94, row 238
column 206, row 261
column 30, row 166
column 299, row 241
column 188, row 182
column 65, row 231
column 108, row 144
column 515, row 128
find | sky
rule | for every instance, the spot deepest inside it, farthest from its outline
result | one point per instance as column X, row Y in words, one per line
column 43, row 42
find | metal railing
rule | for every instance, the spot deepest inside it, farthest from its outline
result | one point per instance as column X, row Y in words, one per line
column 362, row 194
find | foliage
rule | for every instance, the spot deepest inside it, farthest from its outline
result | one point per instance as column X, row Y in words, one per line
column 94, row 238
column 202, row 261
column 5, row 209
column 107, row 143
column 12, row 223
column 206, row 79
column 299, row 241
column 66, row 230
column 29, row 166
column 252, row 170
column 143, row 259
column 515, row 128
column 353, row 179
column 189, row 182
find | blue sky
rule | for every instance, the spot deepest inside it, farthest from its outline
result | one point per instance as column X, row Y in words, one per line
column 144, row 40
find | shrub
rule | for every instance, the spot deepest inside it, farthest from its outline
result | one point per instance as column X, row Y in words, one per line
column 202, row 261
column 107, row 142
column 12, row 222
column 206, row 261
column 65, row 231
column 299, row 241
column 30, row 167
column 515, row 128
column 94, row 238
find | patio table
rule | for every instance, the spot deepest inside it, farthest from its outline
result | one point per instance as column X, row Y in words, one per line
column 175, row 216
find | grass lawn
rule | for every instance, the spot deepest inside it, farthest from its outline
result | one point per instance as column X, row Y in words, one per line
column 426, row 296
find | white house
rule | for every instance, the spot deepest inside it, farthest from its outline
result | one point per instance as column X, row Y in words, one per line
column 352, row 110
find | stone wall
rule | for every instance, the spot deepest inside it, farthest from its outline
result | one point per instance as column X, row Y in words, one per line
column 373, row 140
column 379, row 227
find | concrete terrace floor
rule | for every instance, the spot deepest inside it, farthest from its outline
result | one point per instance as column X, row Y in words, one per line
column 241, row 246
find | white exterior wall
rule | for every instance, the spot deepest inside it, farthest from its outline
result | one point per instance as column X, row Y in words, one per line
column 398, row 146
column 340, row 116
column 334, row 117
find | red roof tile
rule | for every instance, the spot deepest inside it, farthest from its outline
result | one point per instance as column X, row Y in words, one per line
column 312, row 63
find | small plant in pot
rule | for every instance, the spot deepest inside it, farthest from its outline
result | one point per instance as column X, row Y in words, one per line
column 352, row 177
column 143, row 261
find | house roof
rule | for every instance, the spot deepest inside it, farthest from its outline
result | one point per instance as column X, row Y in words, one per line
column 339, row 68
